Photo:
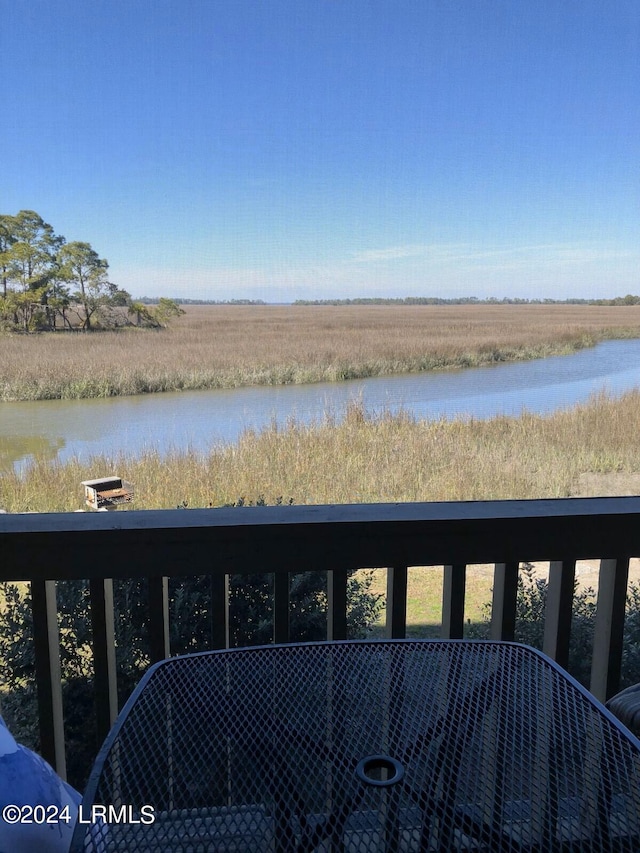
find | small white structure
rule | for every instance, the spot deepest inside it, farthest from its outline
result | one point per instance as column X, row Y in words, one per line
column 107, row 492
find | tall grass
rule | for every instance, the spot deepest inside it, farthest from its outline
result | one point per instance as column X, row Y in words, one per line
column 363, row 459
column 230, row 346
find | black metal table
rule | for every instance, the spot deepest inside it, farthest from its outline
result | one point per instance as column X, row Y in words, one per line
column 365, row 746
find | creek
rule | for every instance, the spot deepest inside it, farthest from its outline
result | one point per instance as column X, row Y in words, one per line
column 202, row 419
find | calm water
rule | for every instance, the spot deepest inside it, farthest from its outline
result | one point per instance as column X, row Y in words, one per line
column 201, row 419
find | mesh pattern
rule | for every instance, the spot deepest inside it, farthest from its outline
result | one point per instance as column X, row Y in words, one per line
column 257, row 750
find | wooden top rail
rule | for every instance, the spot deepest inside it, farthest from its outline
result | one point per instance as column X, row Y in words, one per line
column 277, row 539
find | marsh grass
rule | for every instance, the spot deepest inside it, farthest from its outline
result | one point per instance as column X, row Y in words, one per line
column 364, row 459
column 230, row 346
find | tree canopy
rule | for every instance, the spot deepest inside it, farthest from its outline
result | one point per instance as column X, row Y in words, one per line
column 48, row 284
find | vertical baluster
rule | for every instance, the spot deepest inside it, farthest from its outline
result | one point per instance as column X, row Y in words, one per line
column 219, row 611
column 558, row 610
column 503, row 606
column 104, row 655
column 281, row 607
column 453, row 601
column 609, row 629
column 337, row 604
column 396, row 622
column 46, row 641
column 159, row 644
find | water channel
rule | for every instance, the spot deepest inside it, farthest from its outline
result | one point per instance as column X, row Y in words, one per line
column 202, row 419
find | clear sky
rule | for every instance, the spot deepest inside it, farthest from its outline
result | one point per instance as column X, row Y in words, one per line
column 283, row 149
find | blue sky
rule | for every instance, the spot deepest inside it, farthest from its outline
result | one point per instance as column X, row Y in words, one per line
column 283, row 149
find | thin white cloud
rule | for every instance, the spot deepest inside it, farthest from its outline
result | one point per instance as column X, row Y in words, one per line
column 543, row 257
column 465, row 252
column 392, row 253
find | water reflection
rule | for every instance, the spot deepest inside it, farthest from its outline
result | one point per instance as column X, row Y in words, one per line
column 15, row 449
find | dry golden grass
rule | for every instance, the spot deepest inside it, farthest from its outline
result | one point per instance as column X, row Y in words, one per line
column 366, row 460
column 229, row 346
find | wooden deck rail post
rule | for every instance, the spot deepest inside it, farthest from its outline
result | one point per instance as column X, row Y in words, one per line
column 503, row 605
column 46, row 641
column 609, row 628
column 220, row 611
column 396, row 621
column 104, row 655
column 281, row 607
column 558, row 611
column 337, row 604
column 159, row 638
column 453, row 601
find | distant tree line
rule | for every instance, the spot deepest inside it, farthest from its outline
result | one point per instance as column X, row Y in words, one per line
column 629, row 299
column 47, row 283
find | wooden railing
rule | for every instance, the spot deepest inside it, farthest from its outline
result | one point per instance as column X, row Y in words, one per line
column 47, row 548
